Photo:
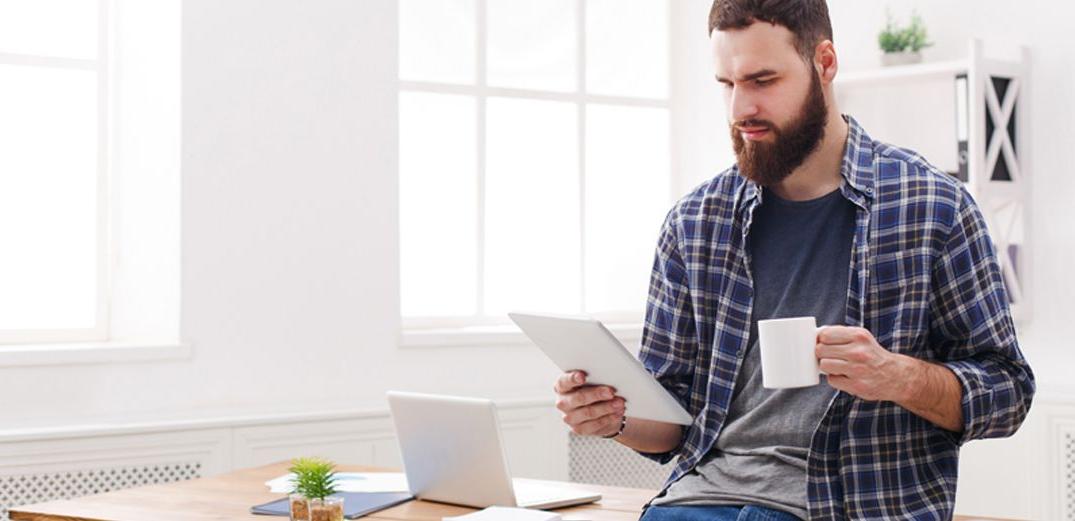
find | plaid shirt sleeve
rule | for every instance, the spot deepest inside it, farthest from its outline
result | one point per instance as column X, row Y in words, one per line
column 973, row 331
column 669, row 336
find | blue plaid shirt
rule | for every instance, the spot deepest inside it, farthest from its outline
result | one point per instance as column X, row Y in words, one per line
column 923, row 279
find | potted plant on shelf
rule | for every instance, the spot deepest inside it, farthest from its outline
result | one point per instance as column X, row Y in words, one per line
column 902, row 45
column 314, row 484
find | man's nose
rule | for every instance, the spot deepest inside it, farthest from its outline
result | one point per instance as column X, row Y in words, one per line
column 743, row 105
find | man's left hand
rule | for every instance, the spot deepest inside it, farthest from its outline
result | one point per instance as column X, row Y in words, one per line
column 855, row 363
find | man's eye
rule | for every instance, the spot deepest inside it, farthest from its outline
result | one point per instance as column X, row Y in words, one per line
column 762, row 83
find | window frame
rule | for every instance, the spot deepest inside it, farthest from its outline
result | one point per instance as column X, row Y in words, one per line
column 482, row 329
column 101, row 65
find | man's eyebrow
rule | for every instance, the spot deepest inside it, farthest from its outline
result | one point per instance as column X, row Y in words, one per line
column 752, row 76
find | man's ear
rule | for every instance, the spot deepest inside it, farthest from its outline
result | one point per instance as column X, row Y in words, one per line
column 825, row 62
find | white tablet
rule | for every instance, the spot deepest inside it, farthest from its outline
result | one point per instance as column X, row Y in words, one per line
column 583, row 343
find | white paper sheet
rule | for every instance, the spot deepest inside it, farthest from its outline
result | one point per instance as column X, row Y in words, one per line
column 506, row 514
column 350, row 482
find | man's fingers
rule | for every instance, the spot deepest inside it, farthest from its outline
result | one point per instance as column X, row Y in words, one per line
column 601, row 426
column 850, row 352
column 842, row 383
column 590, row 395
column 855, row 353
column 584, row 396
column 594, row 411
column 569, row 381
column 822, row 351
column 842, row 335
column 834, row 367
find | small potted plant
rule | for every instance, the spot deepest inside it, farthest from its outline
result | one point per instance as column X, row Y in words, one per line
column 902, row 45
column 314, row 484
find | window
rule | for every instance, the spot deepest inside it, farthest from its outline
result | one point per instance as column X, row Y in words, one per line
column 53, row 165
column 533, row 157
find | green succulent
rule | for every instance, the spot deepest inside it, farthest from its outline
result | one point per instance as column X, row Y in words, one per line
column 315, row 478
column 895, row 38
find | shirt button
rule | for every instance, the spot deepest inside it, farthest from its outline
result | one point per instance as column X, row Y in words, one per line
column 869, row 190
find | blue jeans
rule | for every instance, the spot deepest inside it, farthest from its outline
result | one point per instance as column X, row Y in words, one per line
column 715, row 513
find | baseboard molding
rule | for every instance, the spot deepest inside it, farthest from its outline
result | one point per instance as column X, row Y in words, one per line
column 226, row 443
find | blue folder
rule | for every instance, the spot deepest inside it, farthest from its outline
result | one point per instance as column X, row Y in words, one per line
column 355, row 504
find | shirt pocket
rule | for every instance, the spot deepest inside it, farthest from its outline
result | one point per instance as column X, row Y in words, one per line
column 898, row 302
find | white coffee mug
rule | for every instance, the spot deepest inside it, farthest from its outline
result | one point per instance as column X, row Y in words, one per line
column 787, row 352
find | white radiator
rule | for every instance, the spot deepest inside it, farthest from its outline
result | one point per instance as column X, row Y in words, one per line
column 1067, row 474
column 606, row 462
column 26, row 489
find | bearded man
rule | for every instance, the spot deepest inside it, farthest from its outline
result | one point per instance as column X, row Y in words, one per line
column 815, row 219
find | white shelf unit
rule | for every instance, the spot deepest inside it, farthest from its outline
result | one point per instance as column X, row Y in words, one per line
column 902, row 73
column 917, row 107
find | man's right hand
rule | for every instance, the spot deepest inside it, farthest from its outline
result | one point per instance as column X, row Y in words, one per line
column 592, row 410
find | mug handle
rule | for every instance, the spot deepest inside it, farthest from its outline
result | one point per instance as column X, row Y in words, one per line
column 818, row 332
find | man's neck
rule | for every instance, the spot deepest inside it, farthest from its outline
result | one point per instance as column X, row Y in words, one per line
column 820, row 172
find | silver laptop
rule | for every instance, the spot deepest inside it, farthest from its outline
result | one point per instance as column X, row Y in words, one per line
column 452, row 453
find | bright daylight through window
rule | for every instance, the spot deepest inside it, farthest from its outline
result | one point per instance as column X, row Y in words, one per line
column 533, row 157
column 53, row 143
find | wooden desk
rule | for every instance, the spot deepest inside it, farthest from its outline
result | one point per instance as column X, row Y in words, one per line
column 229, row 496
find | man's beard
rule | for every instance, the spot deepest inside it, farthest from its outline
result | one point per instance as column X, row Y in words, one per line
column 768, row 164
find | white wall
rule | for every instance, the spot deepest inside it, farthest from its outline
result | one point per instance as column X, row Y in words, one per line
column 144, row 174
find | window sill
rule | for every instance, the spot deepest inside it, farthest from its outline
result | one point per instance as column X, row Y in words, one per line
column 475, row 336
column 28, row 355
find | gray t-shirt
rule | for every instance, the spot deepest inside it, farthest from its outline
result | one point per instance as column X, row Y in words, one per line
column 800, row 257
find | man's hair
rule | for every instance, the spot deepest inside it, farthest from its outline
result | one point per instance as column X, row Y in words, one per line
column 808, row 20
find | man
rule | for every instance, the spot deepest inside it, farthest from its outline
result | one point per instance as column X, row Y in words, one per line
column 815, row 219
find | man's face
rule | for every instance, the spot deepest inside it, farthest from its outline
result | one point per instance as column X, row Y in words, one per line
column 774, row 100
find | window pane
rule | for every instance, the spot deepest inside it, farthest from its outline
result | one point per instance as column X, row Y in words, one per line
column 627, row 196
column 438, row 204
column 531, row 207
column 64, row 28
column 532, row 44
column 627, row 47
column 437, row 40
column 48, row 198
